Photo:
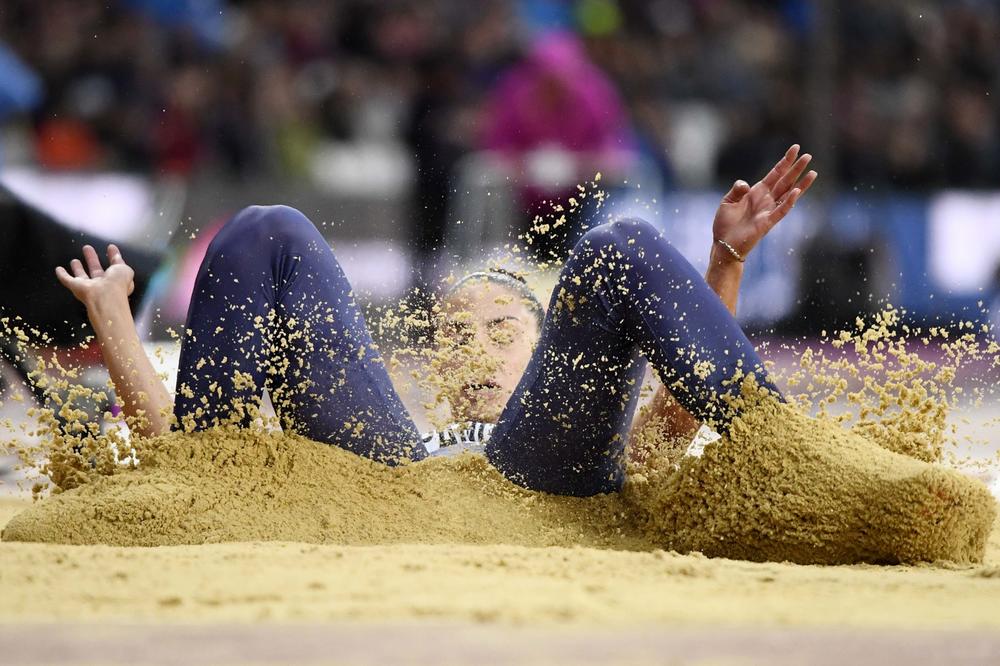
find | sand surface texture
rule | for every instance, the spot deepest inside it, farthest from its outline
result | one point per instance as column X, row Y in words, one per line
column 314, row 533
column 478, row 583
column 783, row 487
column 244, row 525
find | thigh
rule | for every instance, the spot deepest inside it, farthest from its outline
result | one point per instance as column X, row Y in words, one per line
column 272, row 301
column 565, row 428
column 328, row 378
column 625, row 291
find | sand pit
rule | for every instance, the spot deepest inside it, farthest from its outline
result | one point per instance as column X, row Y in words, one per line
column 784, row 487
column 256, row 486
column 245, row 525
column 337, row 553
column 281, row 581
column 791, row 487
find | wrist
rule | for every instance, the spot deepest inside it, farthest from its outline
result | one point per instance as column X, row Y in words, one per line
column 106, row 306
column 720, row 257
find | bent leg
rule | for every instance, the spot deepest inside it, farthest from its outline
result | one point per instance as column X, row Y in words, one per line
column 625, row 295
column 273, row 309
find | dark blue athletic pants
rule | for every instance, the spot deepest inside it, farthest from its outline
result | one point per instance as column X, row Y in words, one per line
column 272, row 309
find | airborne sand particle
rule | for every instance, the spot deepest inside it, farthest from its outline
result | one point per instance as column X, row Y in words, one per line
column 783, row 486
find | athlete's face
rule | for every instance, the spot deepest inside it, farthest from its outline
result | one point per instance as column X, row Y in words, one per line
column 488, row 333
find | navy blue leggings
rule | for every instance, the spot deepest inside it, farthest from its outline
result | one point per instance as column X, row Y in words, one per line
column 271, row 308
column 625, row 295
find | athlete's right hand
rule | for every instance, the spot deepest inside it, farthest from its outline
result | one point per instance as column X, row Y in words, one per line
column 94, row 284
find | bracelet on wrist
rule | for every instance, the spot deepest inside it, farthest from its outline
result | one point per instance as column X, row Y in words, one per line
column 731, row 250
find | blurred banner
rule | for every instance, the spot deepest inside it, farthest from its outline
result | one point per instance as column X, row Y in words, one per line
column 935, row 257
column 113, row 205
column 827, row 262
column 963, row 242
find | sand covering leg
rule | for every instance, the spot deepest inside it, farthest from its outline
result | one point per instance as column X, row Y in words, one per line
column 786, row 486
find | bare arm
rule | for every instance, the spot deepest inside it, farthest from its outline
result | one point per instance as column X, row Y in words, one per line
column 145, row 399
column 724, row 276
column 745, row 216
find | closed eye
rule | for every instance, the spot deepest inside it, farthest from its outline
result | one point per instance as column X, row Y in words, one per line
column 502, row 330
column 457, row 333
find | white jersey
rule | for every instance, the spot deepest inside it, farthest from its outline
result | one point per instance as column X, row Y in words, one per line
column 457, row 437
column 472, row 436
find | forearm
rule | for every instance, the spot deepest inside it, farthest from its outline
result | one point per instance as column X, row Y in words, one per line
column 145, row 400
column 724, row 276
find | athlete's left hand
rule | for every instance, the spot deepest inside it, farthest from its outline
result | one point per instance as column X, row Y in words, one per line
column 748, row 213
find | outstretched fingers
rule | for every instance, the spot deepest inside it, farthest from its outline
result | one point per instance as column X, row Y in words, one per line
column 93, row 261
column 114, row 255
column 76, row 268
column 791, row 176
column 779, row 170
column 784, row 206
column 807, row 182
column 65, row 279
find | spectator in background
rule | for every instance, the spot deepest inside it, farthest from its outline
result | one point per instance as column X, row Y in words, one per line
column 255, row 87
column 444, row 113
column 20, row 88
column 556, row 99
column 971, row 138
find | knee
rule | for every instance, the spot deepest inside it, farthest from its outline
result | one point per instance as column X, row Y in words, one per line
column 271, row 223
column 257, row 227
column 623, row 235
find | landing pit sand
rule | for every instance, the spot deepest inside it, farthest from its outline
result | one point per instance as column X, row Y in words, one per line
column 513, row 560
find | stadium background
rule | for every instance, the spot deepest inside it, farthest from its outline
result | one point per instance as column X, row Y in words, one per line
column 153, row 120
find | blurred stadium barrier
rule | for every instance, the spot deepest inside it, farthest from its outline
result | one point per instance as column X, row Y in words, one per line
column 121, row 206
column 936, row 256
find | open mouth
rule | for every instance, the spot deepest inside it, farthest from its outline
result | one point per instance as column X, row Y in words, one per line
column 474, row 387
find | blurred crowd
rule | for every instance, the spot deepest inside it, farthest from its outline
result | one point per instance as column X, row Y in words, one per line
column 904, row 92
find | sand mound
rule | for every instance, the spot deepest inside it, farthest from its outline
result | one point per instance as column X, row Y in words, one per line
column 255, row 486
column 786, row 486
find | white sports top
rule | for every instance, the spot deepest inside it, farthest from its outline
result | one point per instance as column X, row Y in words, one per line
column 470, row 434
column 474, row 435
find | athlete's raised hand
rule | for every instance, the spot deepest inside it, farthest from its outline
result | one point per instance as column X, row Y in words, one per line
column 90, row 282
column 747, row 213
column 105, row 292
